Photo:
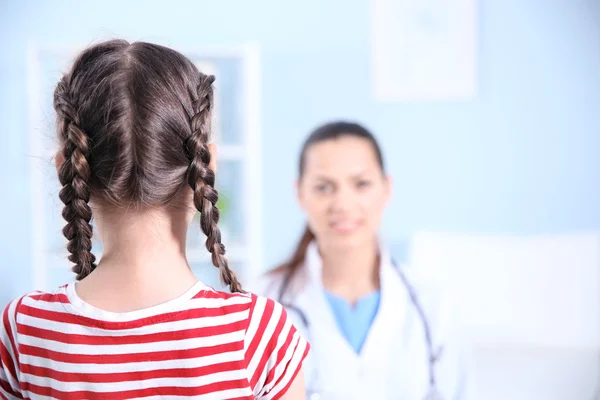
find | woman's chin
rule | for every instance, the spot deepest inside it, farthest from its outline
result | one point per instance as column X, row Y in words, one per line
column 347, row 241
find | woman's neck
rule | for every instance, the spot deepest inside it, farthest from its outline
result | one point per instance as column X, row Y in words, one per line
column 143, row 261
column 351, row 273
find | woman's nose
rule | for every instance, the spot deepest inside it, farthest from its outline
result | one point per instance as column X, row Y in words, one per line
column 342, row 199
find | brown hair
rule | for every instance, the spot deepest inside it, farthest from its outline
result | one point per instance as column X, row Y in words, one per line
column 133, row 124
column 329, row 131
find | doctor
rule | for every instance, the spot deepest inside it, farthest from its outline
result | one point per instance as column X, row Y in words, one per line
column 376, row 331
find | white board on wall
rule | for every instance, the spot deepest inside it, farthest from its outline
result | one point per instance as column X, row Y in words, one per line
column 423, row 50
column 526, row 290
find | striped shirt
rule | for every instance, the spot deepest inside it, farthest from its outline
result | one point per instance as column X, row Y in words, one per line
column 203, row 345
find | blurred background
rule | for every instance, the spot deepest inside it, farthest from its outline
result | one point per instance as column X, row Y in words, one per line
column 488, row 112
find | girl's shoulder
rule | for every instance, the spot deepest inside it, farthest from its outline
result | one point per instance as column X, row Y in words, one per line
column 15, row 307
column 257, row 305
column 10, row 313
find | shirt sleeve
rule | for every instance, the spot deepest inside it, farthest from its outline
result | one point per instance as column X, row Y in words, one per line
column 9, row 365
column 274, row 349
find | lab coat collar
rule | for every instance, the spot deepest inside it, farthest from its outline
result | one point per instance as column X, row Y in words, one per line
column 393, row 293
column 386, row 327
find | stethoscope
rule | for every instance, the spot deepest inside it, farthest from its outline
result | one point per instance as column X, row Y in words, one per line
column 433, row 355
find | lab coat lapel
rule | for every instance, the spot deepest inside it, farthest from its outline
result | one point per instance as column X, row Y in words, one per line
column 312, row 299
column 394, row 344
column 391, row 313
column 331, row 356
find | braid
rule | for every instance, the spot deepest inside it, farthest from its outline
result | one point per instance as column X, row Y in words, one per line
column 202, row 180
column 74, row 174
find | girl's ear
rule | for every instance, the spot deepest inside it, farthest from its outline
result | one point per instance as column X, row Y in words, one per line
column 213, row 157
column 59, row 160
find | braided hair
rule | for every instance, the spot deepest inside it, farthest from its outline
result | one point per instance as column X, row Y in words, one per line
column 73, row 175
column 134, row 127
column 202, row 180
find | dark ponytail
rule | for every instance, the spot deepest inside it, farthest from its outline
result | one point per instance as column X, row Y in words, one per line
column 329, row 131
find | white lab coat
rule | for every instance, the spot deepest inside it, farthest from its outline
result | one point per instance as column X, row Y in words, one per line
column 393, row 361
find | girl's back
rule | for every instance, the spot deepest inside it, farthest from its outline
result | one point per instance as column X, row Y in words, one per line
column 133, row 127
column 204, row 344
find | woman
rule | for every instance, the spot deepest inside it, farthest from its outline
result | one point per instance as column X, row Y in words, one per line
column 375, row 331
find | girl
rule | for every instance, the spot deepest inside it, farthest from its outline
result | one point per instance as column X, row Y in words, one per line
column 133, row 126
column 376, row 333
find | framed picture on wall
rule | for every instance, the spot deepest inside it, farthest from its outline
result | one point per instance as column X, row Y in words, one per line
column 235, row 129
column 423, row 50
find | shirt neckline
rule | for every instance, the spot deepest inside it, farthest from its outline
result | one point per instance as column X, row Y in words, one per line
column 91, row 311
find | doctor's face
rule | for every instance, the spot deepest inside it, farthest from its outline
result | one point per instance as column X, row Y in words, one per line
column 343, row 191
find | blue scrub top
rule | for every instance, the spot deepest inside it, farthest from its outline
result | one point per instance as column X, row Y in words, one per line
column 354, row 322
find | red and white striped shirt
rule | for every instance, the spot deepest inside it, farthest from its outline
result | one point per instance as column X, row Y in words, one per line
column 202, row 345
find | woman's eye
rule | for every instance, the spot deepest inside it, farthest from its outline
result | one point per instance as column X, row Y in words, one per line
column 363, row 184
column 323, row 188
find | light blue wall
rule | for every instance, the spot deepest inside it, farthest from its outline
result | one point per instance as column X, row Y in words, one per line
column 523, row 157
